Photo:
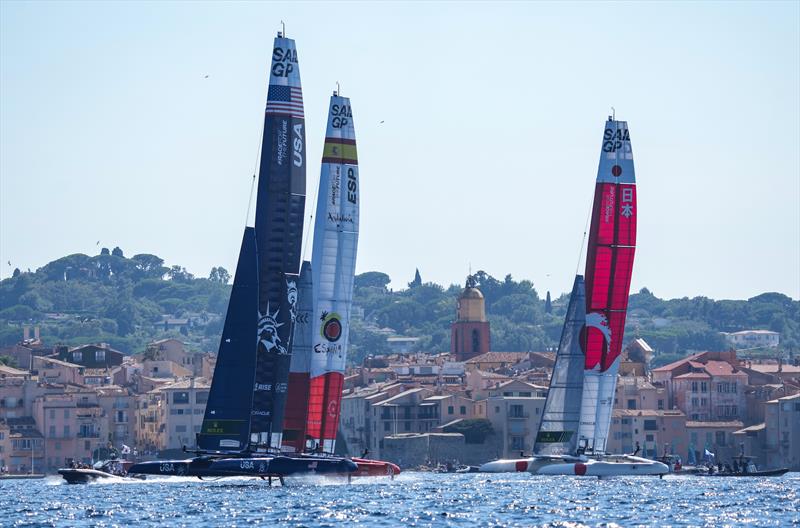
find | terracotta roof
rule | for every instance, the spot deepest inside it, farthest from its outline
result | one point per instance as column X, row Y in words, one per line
column 499, row 357
column 676, row 364
column 11, row 371
column 773, row 368
column 719, row 368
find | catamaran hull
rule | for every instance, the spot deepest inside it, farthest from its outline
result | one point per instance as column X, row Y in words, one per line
column 278, row 466
column 375, row 468
column 84, row 476
column 614, row 467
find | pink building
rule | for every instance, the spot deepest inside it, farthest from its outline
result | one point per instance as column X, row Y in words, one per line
column 708, row 386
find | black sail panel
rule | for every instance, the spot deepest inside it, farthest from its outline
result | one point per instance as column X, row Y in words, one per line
column 226, row 424
column 280, row 208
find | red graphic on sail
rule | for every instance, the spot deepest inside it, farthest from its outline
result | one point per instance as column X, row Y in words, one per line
column 612, row 241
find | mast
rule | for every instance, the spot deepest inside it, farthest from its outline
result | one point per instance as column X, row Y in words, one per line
column 609, row 266
column 280, row 204
column 558, row 430
column 294, row 422
column 333, row 270
column 226, row 423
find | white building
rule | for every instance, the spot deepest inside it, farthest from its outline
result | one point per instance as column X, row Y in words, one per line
column 753, row 339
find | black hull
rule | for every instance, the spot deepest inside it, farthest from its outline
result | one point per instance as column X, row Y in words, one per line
column 267, row 466
column 84, row 476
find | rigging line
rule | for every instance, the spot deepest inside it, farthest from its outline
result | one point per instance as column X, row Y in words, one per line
column 585, row 230
column 255, row 170
column 314, row 203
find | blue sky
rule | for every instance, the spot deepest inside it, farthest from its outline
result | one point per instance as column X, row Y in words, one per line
column 492, row 120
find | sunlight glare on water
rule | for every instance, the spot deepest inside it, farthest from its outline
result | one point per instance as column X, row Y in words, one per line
column 412, row 499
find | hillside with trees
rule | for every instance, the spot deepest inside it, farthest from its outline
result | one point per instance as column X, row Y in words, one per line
column 128, row 302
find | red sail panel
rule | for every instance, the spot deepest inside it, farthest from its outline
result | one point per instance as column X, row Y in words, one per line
column 324, row 402
column 610, row 251
column 294, row 419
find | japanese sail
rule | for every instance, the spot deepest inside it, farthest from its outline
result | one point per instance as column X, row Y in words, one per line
column 279, row 215
column 558, row 429
column 294, row 422
column 609, row 265
column 333, row 271
column 226, row 424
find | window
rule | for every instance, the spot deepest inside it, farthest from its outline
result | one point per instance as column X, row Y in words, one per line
column 407, row 426
column 77, row 356
column 52, row 414
column 476, row 341
column 386, row 426
column 626, row 421
column 52, row 433
column 201, row 397
column 695, row 402
column 58, row 446
column 66, row 431
column 525, row 394
column 648, row 438
column 462, row 410
column 497, row 409
column 709, row 438
column 650, row 425
column 733, row 387
column 631, row 404
column 66, row 413
column 515, row 411
column 173, row 412
column 694, row 386
column 517, row 442
column 87, row 445
column 180, row 397
column 508, row 394
column 180, row 428
column 703, row 386
column 703, row 402
column 660, row 405
column 450, row 409
column 100, row 355
column 720, row 437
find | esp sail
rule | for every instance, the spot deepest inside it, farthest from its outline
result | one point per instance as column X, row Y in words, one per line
column 226, row 423
column 294, row 422
column 333, row 271
column 280, row 204
column 558, row 430
column 609, row 266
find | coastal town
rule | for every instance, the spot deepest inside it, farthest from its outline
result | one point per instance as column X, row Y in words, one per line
column 62, row 404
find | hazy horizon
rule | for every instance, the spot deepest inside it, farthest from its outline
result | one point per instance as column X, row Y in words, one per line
column 478, row 128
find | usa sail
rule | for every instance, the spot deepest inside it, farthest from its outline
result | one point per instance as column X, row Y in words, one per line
column 558, row 429
column 280, row 203
column 294, row 422
column 609, row 266
column 333, row 271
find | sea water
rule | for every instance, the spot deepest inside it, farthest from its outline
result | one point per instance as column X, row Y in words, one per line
column 411, row 499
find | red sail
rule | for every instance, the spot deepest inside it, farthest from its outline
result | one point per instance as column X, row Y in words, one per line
column 612, row 241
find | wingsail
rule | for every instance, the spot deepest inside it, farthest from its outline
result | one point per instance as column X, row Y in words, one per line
column 609, row 266
column 333, row 270
column 280, row 204
column 294, row 422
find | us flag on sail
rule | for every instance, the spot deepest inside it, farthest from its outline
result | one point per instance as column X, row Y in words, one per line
column 285, row 100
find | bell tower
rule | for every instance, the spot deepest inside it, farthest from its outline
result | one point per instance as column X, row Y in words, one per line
column 469, row 333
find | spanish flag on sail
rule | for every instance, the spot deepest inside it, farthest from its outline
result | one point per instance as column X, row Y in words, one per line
column 340, row 150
